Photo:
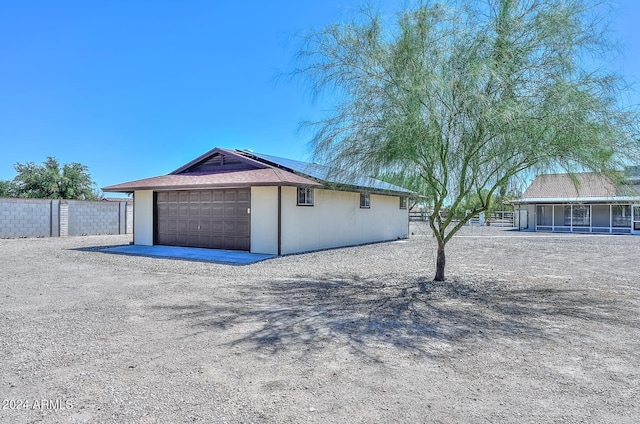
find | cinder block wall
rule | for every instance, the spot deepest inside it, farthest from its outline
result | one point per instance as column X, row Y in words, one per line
column 25, row 218
column 87, row 218
column 59, row 218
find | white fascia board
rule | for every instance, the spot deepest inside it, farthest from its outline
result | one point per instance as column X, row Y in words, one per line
column 618, row 199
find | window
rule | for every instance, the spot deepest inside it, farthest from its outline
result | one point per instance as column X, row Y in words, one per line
column 577, row 215
column 305, row 196
column 365, row 200
column 621, row 216
column 403, row 202
column 544, row 215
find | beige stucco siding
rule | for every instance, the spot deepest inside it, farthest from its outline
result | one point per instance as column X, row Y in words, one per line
column 336, row 219
column 143, row 217
column 264, row 220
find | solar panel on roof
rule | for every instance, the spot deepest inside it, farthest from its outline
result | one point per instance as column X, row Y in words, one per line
column 323, row 173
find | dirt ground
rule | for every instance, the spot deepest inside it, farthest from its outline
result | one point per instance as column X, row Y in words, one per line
column 529, row 328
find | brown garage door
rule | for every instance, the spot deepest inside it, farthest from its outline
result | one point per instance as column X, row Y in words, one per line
column 215, row 219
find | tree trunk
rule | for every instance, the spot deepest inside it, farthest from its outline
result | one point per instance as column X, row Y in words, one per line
column 440, row 262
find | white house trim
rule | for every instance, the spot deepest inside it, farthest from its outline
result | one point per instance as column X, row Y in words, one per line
column 143, row 217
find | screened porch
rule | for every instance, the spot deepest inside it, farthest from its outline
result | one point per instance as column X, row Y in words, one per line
column 588, row 218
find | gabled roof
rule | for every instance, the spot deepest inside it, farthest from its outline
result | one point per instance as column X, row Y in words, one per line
column 587, row 187
column 219, row 168
column 222, row 159
column 248, row 178
column 326, row 175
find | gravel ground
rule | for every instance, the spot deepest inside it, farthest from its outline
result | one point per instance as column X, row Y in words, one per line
column 529, row 328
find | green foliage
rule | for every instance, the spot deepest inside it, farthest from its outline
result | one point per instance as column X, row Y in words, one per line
column 8, row 189
column 50, row 181
column 413, row 183
column 468, row 95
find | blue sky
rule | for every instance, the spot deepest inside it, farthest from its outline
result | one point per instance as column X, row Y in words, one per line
column 134, row 89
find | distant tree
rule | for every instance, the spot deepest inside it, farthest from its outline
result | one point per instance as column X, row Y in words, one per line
column 8, row 189
column 468, row 95
column 50, row 181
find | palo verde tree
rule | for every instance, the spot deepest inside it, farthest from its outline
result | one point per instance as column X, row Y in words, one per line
column 51, row 181
column 466, row 96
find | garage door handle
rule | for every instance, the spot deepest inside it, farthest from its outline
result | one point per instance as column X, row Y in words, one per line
column 248, row 211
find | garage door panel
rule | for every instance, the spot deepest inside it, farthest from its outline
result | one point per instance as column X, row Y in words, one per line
column 182, row 226
column 242, row 228
column 230, row 211
column 215, row 219
column 205, row 196
column 217, row 242
column 206, row 210
column 217, row 212
column 244, row 196
column 216, row 227
column 231, row 196
column 204, row 241
column 243, row 243
column 163, row 226
column 229, row 227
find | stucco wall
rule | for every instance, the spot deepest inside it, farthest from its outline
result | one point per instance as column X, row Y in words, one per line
column 524, row 217
column 264, row 220
column 336, row 219
column 143, row 217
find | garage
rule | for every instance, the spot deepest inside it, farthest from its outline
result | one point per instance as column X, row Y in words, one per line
column 240, row 200
column 214, row 219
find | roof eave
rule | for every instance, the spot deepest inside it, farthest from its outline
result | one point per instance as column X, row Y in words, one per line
column 131, row 189
column 616, row 199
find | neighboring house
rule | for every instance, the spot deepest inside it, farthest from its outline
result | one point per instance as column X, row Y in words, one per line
column 240, row 200
column 588, row 203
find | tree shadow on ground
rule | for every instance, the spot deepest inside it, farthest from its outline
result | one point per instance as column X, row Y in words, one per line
column 413, row 314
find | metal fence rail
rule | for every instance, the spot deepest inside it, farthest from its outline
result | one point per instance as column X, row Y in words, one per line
column 498, row 218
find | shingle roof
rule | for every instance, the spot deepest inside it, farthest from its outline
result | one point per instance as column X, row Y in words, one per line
column 325, row 174
column 254, row 177
column 587, row 186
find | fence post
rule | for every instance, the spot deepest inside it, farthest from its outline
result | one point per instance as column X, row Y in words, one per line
column 55, row 218
column 122, row 217
column 64, row 218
